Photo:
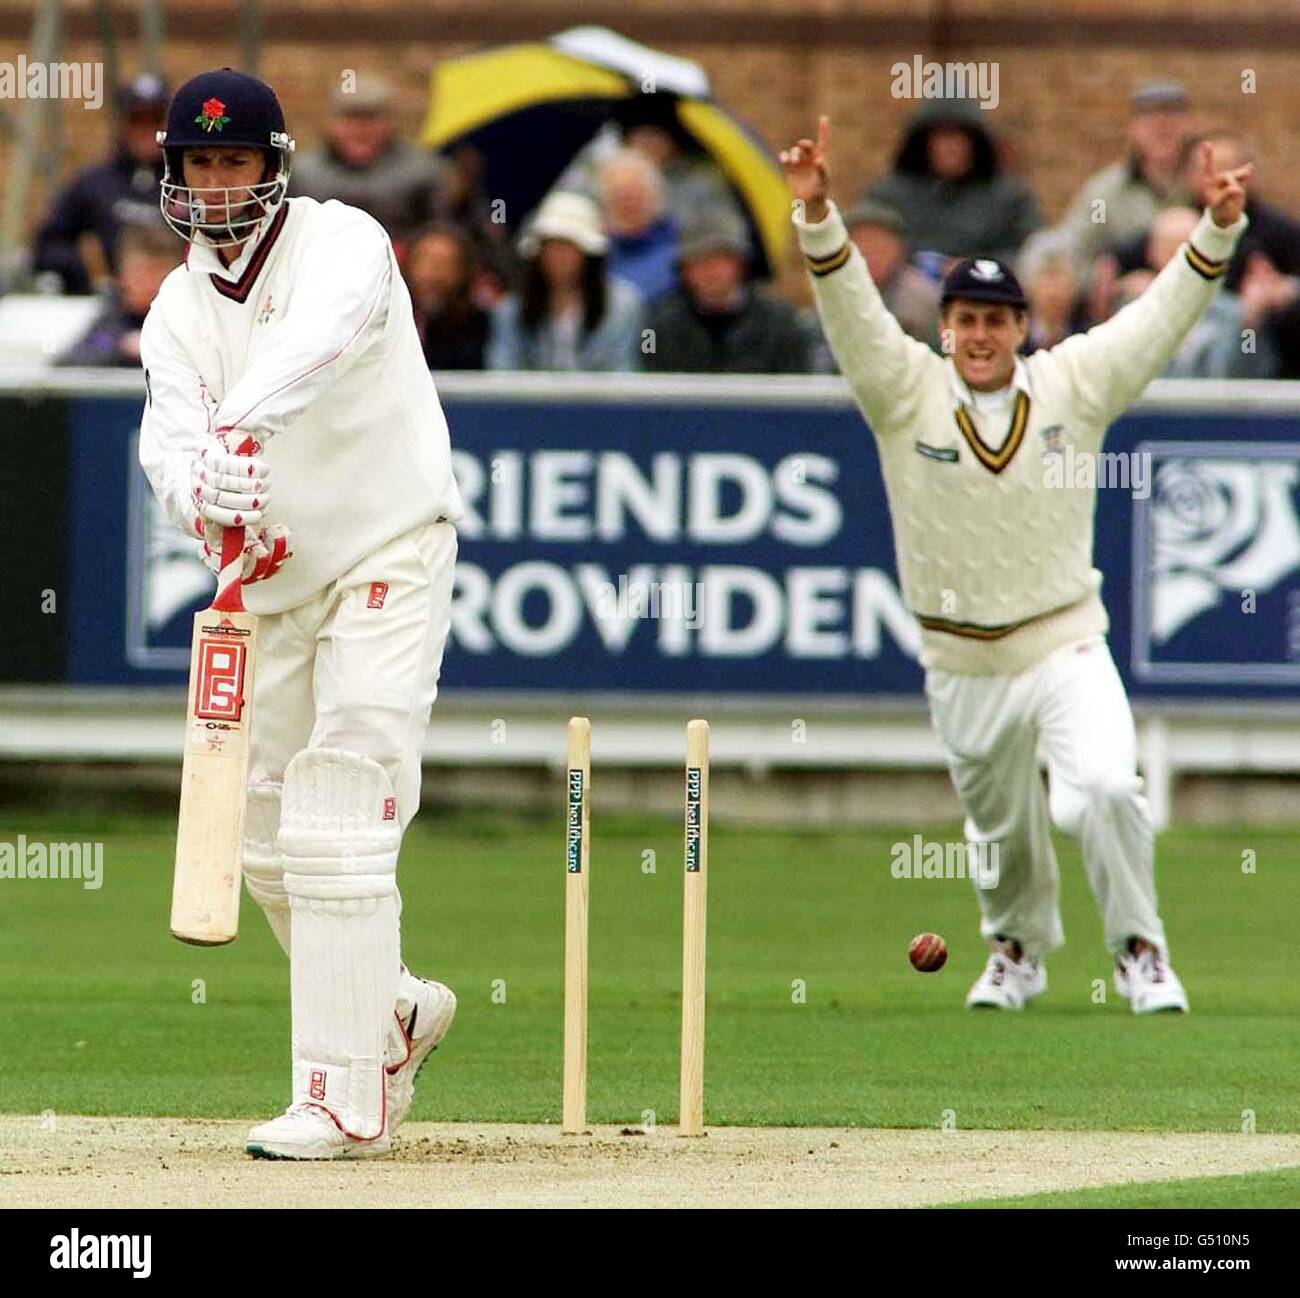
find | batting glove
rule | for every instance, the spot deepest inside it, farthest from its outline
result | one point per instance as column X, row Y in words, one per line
column 265, row 550
column 229, row 490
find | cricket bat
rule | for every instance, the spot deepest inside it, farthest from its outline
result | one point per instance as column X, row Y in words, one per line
column 210, row 836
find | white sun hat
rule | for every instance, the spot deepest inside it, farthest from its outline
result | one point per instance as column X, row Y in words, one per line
column 574, row 217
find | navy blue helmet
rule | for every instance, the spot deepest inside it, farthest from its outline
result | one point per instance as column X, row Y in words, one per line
column 224, row 109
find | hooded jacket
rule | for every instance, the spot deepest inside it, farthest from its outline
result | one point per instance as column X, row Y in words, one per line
column 984, row 214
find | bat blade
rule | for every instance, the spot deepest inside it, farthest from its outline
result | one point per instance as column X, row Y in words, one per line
column 210, row 836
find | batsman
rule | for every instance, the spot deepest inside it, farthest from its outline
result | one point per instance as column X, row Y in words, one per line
column 995, row 561
column 288, row 397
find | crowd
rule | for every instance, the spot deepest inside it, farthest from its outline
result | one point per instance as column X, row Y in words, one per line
column 641, row 256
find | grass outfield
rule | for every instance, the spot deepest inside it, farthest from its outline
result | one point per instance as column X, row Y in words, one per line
column 1279, row 1189
column 98, row 1012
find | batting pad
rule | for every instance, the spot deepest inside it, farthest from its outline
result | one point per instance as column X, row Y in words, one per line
column 339, row 837
column 263, row 866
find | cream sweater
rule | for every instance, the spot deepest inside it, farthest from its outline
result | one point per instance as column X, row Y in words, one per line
column 994, row 555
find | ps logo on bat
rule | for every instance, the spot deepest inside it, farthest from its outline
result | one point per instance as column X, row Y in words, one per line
column 219, row 693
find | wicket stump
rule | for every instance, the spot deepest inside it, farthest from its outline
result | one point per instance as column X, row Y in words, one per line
column 694, row 899
column 577, row 857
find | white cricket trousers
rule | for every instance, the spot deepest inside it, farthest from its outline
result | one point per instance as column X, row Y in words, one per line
column 356, row 667
column 1070, row 710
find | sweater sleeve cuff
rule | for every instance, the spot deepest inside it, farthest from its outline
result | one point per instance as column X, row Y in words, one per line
column 824, row 238
column 1216, row 244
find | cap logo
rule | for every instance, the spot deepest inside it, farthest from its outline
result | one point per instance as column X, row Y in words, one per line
column 989, row 271
column 212, row 117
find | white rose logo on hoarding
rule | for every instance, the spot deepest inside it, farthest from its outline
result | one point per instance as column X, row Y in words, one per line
column 1220, row 527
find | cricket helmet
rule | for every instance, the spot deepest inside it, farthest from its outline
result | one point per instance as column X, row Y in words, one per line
column 224, row 109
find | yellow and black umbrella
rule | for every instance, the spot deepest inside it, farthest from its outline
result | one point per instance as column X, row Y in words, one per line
column 529, row 108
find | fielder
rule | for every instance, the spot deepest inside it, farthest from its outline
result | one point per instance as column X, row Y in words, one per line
column 996, row 563
column 290, row 325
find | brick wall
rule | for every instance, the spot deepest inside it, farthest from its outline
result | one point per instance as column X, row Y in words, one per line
column 1066, row 66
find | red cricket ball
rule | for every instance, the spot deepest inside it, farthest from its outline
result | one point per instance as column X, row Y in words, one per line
column 928, row 952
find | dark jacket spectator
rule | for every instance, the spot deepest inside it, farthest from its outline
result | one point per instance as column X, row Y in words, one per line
column 363, row 163
column 441, row 272
column 570, row 313
column 1280, row 354
column 716, row 323
column 103, row 198
column 466, row 202
column 1270, row 310
column 147, row 254
column 949, row 187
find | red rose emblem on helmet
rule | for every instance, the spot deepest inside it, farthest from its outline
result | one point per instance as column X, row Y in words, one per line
column 213, row 115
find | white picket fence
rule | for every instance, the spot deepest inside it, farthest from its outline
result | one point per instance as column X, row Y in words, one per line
column 78, row 724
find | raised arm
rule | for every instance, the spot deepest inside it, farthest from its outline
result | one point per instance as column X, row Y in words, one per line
column 882, row 363
column 1111, row 364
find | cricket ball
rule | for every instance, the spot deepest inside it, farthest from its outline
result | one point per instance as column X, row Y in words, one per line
column 928, row 952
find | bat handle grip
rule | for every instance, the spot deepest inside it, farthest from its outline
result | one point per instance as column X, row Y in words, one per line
column 230, row 587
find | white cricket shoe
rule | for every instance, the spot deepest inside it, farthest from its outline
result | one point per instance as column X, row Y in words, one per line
column 307, row 1131
column 1145, row 977
column 1008, row 983
column 432, row 1010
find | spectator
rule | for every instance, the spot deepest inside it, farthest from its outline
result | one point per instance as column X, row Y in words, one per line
column 950, row 190
column 911, row 296
column 648, row 125
column 693, row 181
column 147, row 254
column 1051, row 280
column 642, row 237
column 1270, row 310
column 77, row 242
column 467, row 204
column 362, row 162
column 570, row 313
column 440, row 272
column 1132, row 192
column 1212, row 350
column 717, row 323
column 1264, row 270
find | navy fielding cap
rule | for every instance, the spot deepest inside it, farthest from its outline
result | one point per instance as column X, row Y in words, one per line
column 982, row 279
